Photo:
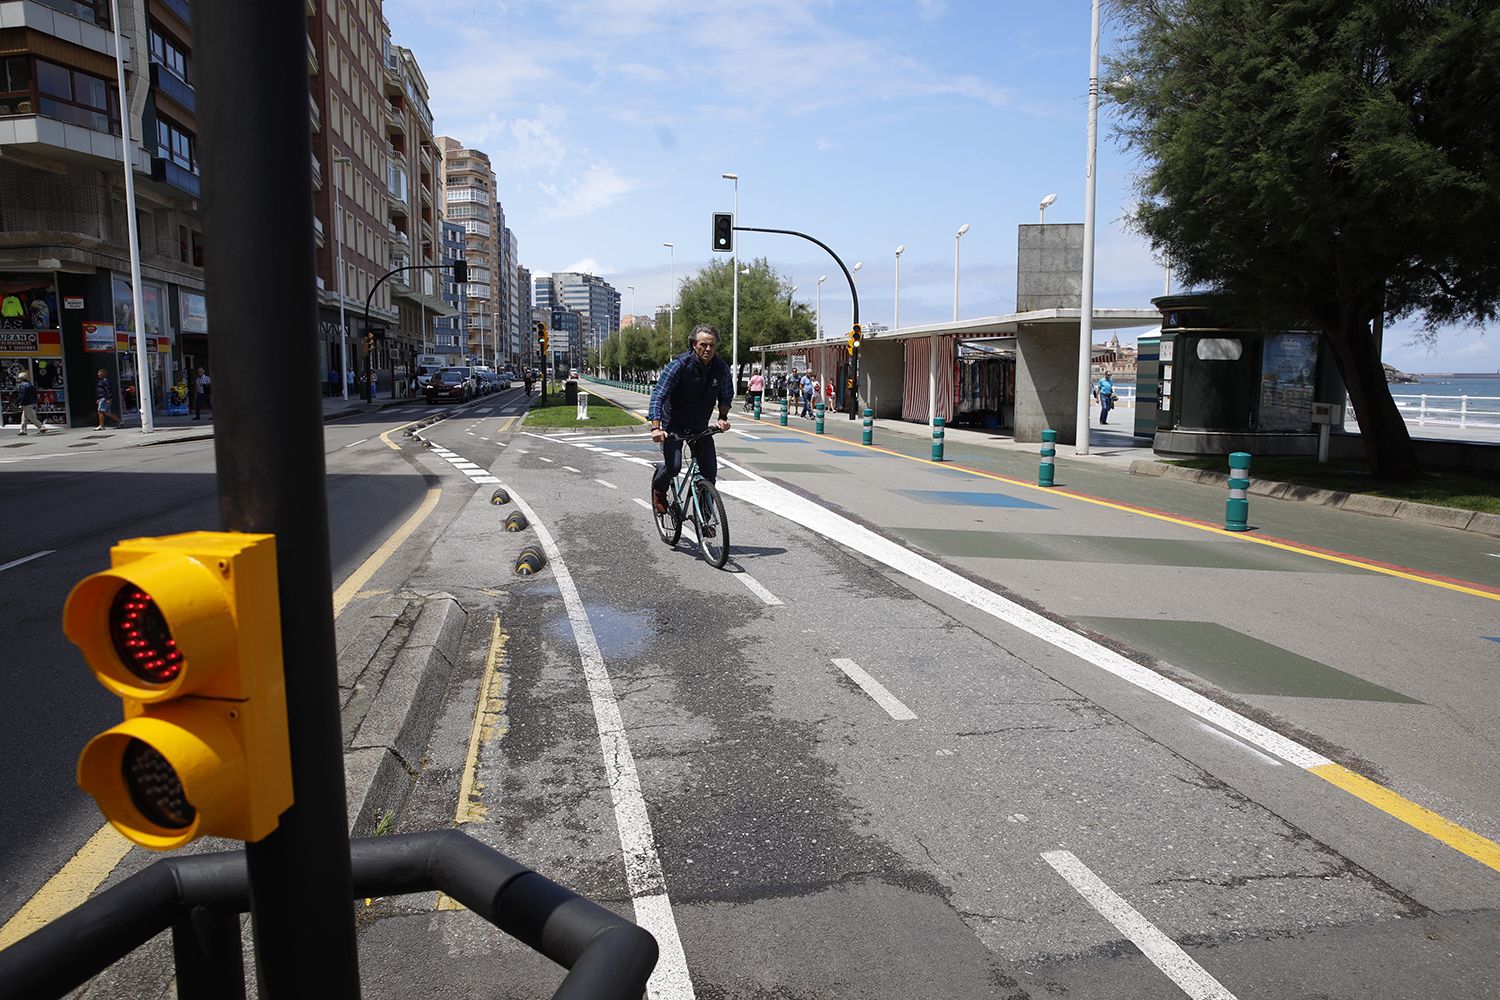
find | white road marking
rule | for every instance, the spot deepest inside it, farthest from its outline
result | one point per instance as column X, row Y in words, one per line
column 360, row 441
column 523, row 451
column 840, row 529
column 571, row 469
column 484, row 479
column 27, row 559
column 1241, row 744
column 603, row 483
column 640, row 461
column 1164, row 953
column 643, row 874
column 756, row 588
column 459, row 463
column 752, row 437
column 876, row 690
column 544, row 458
column 641, row 502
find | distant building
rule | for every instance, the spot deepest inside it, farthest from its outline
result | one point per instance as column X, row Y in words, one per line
column 595, row 300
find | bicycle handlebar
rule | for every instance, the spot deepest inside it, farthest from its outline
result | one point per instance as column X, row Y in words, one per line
column 695, row 435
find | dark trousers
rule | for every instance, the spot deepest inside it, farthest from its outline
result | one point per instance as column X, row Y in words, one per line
column 671, row 453
column 200, row 400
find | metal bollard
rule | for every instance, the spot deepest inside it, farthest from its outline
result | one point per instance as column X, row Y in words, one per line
column 818, row 425
column 1237, row 507
column 869, row 435
column 937, row 439
column 783, row 411
column 1049, row 450
column 757, row 407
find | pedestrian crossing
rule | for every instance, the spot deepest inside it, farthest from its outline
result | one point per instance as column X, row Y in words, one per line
column 474, row 472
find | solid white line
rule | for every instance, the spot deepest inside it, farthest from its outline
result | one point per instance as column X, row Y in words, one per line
column 360, row 441
column 643, row 874
column 603, row 483
column 1163, row 952
column 27, row 559
column 571, row 469
column 640, row 461
column 641, row 502
column 754, row 585
column 808, row 514
column 1241, row 744
column 876, row 690
column 544, row 458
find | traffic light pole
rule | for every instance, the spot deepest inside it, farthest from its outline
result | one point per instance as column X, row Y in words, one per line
column 369, row 350
column 254, row 147
column 852, row 387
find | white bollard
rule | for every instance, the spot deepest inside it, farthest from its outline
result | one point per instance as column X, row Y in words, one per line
column 583, row 406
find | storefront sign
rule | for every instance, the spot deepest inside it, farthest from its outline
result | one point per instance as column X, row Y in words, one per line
column 72, row 301
column 193, row 309
column 30, row 344
column 98, row 336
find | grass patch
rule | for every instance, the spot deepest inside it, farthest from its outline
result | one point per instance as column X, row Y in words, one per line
column 1464, row 490
column 560, row 413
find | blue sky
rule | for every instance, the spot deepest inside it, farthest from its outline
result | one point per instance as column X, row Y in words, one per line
column 867, row 124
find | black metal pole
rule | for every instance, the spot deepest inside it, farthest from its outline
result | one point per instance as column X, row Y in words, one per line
column 254, row 148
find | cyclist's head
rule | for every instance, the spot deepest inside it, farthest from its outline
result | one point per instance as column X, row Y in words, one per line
column 704, row 340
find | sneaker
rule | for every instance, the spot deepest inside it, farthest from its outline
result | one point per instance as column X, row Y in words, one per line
column 709, row 531
column 658, row 501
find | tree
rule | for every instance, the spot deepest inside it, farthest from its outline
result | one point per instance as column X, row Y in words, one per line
column 1326, row 161
column 708, row 297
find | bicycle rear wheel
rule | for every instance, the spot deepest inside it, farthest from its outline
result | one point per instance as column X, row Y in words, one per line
column 669, row 525
column 712, row 525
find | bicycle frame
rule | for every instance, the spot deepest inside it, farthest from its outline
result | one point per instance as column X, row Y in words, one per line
column 688, row 479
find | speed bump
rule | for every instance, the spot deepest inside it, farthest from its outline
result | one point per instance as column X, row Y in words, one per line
column 529, row 561
column 499, row 497
column 516, row 521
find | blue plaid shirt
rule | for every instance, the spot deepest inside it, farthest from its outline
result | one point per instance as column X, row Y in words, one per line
column 685, row 394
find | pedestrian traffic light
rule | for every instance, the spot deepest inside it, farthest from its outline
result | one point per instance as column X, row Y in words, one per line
column 461, row 272
column 723, row 232
column 186, row 630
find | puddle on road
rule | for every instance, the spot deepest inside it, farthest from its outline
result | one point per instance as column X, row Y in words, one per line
column 622, row 634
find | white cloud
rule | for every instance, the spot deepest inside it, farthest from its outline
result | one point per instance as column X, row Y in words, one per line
column 597, row 187
column 588, row 265
column 825, row 145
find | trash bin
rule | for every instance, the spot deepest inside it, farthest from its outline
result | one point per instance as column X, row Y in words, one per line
column 570, row 388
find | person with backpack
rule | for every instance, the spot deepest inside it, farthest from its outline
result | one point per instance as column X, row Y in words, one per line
column 26, row 399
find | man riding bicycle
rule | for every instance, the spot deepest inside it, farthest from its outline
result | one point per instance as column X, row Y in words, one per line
column 682, row 402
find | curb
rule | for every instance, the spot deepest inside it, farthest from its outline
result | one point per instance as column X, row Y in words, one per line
column 1358, row 503
column 384, row 755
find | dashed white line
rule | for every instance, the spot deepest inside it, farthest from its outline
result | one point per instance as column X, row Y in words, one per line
column 27, row 559
column 752, row 437
column 1164, row 953
column 603, row 483
column 641, row 502
column 755, row 586
column 876, row 690
column 544, row 458
column 360, row 441
column 571, row 469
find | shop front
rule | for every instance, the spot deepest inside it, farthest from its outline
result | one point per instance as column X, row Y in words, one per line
column 31, row 345
column 166, row 374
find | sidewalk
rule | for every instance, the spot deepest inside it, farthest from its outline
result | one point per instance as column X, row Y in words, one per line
column 1112, row 448
column 165, row 430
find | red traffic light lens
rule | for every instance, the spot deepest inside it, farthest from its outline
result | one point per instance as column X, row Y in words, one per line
column 141, row 637
column 155, row 789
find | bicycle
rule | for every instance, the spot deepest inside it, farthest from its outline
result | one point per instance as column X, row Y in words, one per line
column 693, row 497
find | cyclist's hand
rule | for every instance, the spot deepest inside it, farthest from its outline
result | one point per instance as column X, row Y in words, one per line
column 723, row 424
column 658, row 435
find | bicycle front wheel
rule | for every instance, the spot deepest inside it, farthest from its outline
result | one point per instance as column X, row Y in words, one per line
column 713, row 526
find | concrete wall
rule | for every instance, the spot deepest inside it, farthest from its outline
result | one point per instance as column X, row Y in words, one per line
column 1049, row 267
column 1047, row 382
column 882, row 369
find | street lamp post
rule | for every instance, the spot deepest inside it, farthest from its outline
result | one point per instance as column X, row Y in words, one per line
column 1042, row 214
column 142, row 372
column 790, row 305
column 734, row 355
column 896, row 317
column 1086, row 314
column 956, row 238
column 338, row 211
column 821, row 279
column 671, row 296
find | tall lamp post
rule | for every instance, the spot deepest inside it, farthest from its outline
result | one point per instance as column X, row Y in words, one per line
column 821, row 279
column 1042, row 214
column 671, row 297
column 956, row 238
column 790, row 305
column 338, row 211
column 127, row 154
column 1086, row 314
column 896, row 317
column 734, row 355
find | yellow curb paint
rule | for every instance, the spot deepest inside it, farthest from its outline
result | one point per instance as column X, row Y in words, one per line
column 351, row 587
column 74, row 882
column 489, row 724
column 386, row 437
column 1461, row 839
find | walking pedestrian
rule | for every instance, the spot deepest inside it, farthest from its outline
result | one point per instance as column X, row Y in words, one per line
column 203, row 387
column 104, row 400
column 26, row 399
column 333, row 381
column 757, row 386
column 806, row 385
column 1106, row 398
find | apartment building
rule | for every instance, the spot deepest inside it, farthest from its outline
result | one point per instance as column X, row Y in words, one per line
column 595, row 300
column 526, row 350
column 66, row 303
column 447, row 337
column 469, row 199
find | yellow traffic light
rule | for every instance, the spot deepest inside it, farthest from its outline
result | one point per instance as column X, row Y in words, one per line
column 186, row 629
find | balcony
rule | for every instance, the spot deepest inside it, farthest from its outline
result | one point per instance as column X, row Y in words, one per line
column 167, row 82
column 318, row 230
column 170, row 172
column 395, row 119
column 477, row 229
column 181, row 9
column 314, row 116
column 312, row 56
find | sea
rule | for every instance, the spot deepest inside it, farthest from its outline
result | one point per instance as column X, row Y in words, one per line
column 1443, row 403
column 1449, row 385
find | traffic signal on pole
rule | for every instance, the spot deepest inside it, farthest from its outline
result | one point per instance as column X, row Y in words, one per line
column 369, row 343
column 461, row 272
column 541, row 336
column 723, row 232
column 186, row 630
column 854, row 339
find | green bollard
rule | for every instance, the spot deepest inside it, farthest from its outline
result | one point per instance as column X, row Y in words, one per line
column 757, row 407
column 937, row 439
column 1049, row 450
column 1237, row 507
column 819, row 410
column 783, row 411
column 869, row 435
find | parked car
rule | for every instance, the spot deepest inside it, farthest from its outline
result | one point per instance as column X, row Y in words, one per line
column 469, row 376
column 450, row 384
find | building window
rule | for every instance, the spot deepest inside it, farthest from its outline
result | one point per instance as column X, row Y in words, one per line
column 175, row 143
column 197, row 241
column 94, row 12
column 182, row 244
column 71, row 96
column 166, row 50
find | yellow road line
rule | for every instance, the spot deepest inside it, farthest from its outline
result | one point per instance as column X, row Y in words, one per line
column 386, row 437
column 1217, row 532
column 350, row 587
column 506, row 424
column 1461, row 839
column 73, row 882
